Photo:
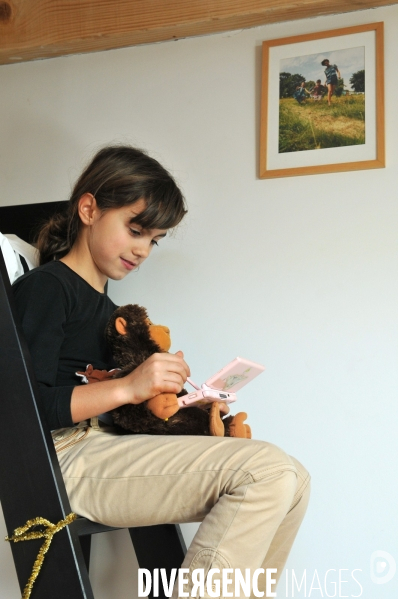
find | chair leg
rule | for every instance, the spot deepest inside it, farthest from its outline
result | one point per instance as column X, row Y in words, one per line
column 160, row 546
column 85, row 542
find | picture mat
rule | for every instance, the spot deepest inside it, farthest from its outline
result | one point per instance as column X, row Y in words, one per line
column 367, row 151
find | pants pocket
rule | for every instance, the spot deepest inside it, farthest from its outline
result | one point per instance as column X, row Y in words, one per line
column 67, row 437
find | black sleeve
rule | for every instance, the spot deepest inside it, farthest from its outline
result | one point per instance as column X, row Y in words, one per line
column 42, row 307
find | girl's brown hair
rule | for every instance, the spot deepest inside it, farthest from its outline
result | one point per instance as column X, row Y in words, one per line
column 117, row 176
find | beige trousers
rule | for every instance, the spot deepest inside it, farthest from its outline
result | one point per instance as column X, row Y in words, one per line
column 249, row 496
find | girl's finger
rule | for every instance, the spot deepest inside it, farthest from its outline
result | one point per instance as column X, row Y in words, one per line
column 224, row 408
column 175, row 358
column 178, row 361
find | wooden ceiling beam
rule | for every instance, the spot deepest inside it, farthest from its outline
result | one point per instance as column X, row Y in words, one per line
column 34, row 29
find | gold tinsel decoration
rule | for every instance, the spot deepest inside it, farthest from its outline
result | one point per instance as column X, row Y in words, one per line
column 22, row 534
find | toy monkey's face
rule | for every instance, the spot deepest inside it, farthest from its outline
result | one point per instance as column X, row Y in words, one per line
column 158, row 333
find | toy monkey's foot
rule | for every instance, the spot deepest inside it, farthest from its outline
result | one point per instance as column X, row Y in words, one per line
column 163, row 405
column 237, row 428
column 216, row 424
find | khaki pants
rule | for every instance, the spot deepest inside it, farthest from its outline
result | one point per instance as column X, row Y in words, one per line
column 249, row 496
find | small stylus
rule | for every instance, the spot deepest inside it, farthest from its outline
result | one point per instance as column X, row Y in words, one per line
column 194, row 385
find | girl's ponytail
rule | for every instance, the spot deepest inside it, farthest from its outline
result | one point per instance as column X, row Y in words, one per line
column 56, row 236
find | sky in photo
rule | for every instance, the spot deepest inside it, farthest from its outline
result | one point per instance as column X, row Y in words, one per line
column 349, row 61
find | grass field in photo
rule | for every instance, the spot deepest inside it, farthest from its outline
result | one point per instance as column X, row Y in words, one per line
column 315, row 125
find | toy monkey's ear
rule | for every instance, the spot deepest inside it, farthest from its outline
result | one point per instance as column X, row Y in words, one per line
column 120, row 325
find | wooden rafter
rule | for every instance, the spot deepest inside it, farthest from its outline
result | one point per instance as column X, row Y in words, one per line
column 32, row 29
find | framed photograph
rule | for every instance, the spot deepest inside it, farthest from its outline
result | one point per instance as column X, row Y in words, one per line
column 316, row 116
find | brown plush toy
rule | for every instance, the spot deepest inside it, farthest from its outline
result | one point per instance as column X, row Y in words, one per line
column 133, row 338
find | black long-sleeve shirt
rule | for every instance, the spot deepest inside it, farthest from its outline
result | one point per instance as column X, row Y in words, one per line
column 63, row 319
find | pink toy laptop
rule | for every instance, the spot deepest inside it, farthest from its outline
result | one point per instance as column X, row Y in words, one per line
column 223, row 385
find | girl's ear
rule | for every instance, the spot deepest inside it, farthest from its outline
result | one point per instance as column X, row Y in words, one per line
column 87, row 208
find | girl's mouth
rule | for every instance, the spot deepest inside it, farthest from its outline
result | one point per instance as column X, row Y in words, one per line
column 127, row 264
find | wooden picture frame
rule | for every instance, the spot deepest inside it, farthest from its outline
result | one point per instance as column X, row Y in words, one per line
column 294, row 134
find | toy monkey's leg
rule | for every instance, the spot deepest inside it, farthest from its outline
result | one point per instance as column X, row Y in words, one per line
column 235, row 426
column 232, row 426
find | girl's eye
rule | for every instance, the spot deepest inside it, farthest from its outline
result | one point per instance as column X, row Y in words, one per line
column 138, row 233
column 135, row 232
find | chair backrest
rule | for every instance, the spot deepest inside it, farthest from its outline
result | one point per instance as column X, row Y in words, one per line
column 31, row 483
column 24, row 220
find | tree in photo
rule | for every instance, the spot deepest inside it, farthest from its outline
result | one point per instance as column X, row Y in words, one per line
column 339, row 89
column 357, row 81
column 288, row 84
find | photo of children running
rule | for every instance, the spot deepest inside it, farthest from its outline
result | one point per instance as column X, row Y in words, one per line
column 332, row 75
column 306, row 120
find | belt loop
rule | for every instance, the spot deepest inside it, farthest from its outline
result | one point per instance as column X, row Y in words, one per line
column 94, row 423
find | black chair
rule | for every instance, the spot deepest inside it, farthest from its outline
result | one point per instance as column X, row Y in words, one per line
column 31, row 483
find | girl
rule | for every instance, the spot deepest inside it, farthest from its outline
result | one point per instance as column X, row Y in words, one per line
column 331, row 74
column 249, row 496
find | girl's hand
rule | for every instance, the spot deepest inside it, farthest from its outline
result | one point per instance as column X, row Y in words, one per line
column 224, row 408
column 161, row 373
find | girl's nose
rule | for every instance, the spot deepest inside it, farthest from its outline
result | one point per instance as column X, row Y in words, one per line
column 142, row 250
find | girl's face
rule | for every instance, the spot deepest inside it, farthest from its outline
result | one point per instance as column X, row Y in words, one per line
column 117, row 246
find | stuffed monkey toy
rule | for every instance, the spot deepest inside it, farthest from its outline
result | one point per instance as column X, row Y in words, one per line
column 133, row 338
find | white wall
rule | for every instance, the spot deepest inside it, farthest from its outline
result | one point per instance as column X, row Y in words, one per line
column 297, row 273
